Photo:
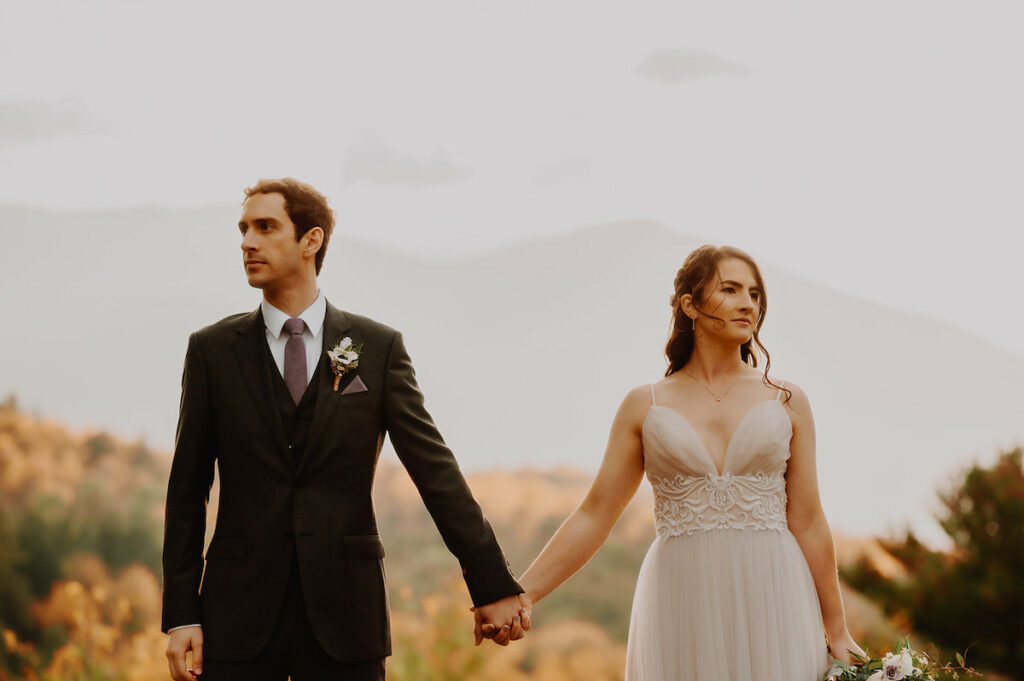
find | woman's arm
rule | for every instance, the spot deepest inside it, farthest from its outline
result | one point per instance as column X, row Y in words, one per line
column 808, row 524
column 586, row 529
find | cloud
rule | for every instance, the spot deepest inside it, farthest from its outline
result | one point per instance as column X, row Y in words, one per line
column 370, row 160
column 682, row 65
column 28, row 121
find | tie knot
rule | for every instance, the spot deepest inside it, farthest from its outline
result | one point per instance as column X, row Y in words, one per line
column 295, row 326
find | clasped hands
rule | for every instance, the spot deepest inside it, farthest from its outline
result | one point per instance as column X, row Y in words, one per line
column 502, row 621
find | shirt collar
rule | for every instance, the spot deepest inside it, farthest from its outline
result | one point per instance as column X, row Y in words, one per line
column 313, row 315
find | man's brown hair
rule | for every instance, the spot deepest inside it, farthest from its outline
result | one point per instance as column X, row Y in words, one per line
column 306, row 207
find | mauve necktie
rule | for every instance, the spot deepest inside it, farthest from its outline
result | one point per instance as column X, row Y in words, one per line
column 295, row 358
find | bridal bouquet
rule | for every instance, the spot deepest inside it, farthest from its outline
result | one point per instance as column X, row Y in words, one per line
column 904, row 663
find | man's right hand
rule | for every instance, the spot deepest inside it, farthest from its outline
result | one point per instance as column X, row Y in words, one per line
column 179, row 642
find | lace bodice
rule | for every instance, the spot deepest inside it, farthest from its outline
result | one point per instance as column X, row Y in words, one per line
column 690, row 495
column 684, row 505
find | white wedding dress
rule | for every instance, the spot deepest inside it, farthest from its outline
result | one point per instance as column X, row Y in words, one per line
column 724, row 593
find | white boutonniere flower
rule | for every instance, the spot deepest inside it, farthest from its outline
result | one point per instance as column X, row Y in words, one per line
column 344, row 358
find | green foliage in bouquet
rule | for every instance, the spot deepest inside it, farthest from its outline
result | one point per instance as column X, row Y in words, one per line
column 903, row 663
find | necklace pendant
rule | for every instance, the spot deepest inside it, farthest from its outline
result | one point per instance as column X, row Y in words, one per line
column 718, row 399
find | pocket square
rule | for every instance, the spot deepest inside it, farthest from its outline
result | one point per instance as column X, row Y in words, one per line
column 356, row 386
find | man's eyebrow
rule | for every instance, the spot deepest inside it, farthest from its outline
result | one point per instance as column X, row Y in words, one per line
column 272, row 221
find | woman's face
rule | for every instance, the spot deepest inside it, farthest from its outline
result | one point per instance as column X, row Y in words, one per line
column 735, row 298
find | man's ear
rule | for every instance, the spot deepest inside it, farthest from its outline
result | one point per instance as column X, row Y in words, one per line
column 314, row 239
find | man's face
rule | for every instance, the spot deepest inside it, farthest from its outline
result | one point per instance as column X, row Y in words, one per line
column 271, row 255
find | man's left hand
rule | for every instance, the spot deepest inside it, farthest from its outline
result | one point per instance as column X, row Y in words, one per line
column 502, row 621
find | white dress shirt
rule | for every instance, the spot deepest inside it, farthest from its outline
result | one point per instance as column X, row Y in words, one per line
column 274, row 320
column 313, row 316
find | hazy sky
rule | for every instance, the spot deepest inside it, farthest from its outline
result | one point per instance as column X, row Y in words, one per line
column 872, row 146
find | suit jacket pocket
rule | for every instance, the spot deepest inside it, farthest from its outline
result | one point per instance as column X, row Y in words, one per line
column 226, row 548
column 362, row 546
column 356, row 399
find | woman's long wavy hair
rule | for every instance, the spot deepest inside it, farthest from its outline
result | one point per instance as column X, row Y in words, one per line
column 698, row 273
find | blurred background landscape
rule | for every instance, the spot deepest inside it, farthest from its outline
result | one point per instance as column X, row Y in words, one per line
column 524, row 354
column 80, row 532
column 516, row 186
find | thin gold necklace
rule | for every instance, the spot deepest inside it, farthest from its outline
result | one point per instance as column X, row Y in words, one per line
column 718, row 398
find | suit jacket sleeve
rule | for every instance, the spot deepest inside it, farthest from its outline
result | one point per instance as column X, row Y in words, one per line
column 188, row 492
column 436, row 474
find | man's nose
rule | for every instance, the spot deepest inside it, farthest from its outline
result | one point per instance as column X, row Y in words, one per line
column 248, row 240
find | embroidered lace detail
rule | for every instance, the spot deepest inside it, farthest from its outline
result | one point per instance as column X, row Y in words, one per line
column 686, row 504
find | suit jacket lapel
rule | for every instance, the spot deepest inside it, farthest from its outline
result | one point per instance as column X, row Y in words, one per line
column 251, row 351
column 336, row 325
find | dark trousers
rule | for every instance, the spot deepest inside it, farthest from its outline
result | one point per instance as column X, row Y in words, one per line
column 293, row 651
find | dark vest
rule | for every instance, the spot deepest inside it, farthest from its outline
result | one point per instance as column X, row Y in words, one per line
column 296, row 418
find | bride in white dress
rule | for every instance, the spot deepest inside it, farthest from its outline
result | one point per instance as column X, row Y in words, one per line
column 741, row 582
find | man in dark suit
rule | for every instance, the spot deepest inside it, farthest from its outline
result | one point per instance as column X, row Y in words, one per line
column 294, row 581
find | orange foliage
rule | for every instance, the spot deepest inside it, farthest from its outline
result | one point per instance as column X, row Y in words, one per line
column 436, row 644
column 43, row 457
column 112, row 623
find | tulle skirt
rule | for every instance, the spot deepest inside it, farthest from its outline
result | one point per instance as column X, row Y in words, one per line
column 726, row 605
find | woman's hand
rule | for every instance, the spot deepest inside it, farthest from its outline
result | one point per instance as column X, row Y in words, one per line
column 843, row 648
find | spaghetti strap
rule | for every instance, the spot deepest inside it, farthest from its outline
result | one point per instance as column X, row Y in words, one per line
column 652, row 395
column 778, row 393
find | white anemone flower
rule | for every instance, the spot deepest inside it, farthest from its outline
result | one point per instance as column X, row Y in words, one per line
column 898, row 667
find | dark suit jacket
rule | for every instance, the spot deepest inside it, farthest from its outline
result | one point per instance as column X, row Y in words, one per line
column 321, row 503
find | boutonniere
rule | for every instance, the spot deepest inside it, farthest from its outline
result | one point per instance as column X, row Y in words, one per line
column 344, row 358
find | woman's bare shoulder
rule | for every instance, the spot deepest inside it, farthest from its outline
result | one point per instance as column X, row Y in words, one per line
column 798, row 400
column 638, row 399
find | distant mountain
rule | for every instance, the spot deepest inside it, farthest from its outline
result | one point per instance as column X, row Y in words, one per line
column 523, row 354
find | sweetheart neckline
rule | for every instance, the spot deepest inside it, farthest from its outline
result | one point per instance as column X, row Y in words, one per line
column 707, row 452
